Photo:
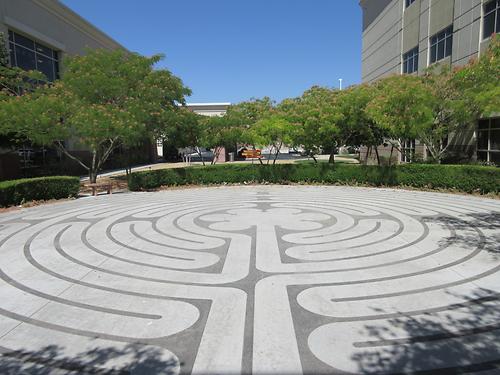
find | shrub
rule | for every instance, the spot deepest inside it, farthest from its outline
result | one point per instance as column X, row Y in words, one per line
column 43, row 188
column 466, row 178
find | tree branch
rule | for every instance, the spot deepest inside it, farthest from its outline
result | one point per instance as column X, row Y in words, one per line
column 65, row 152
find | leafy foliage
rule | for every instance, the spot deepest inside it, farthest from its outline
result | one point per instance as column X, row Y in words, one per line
column 33, row 189
column 104, row 100
column 431, row 176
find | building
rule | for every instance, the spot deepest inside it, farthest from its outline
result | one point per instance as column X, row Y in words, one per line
column 39, row 33
column 407, row 36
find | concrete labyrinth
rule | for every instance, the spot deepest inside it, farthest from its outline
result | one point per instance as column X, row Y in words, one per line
column 284, row 280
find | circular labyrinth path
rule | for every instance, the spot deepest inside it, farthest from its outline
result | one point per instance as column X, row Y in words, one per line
column 284, row 280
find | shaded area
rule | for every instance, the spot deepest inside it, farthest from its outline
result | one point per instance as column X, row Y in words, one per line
column 462, row 338
column 469, row 232
column 138, row 360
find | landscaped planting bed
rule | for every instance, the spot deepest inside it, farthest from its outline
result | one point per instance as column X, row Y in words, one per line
column 462, row 178
column 35, row 189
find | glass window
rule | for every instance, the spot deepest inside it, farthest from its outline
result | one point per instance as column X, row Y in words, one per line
column 491, row 22
column 410, row 61
column 44, row 50
column 45, row 65
column 495, row 139
column 482, row 140
column 25, row 58
column 488, row 140
column 441, row 44
column 484, row 124
column 495, row 158
column 407, row 150
column 23, row 41
column 30, row 55
column 408, row 3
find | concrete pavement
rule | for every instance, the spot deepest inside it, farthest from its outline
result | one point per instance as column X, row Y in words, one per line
column 259, row 279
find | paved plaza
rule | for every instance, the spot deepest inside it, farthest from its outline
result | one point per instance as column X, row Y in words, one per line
column 256, row 279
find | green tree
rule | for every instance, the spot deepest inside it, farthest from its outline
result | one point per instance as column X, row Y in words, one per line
column 450, row 111
column 274, row 131
column 222, row 132
column 479, row 80
column 403, row 104
column 315, row 118
column 356, row 126
column 105, row 99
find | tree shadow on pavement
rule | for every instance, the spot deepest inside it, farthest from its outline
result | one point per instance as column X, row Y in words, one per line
column 462, row 338
column 139, row 360
column 481, row 230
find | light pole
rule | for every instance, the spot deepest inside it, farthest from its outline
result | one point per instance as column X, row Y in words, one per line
column 340, row 83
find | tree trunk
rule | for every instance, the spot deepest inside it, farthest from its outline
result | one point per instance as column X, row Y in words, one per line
column 376, row 153
column 92, row 176
column 314, row 158
column 390, row 157
column 368, row 152
column 331, row 159
column 277, row 153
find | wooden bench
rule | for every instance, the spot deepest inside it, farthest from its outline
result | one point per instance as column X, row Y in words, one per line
column 102, row 186
column 251, row 154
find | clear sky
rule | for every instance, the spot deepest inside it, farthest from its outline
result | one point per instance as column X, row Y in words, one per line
column 233, row 50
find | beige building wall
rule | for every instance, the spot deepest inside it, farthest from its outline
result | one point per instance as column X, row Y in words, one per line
column 52, row 23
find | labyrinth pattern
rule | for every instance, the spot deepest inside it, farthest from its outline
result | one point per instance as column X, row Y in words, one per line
column 284, row 280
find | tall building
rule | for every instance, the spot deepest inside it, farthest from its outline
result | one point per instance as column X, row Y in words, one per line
column 38, row 35
column 408, row 36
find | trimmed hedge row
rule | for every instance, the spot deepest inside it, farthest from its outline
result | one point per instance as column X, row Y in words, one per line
column 464, row 178
column 43, row 188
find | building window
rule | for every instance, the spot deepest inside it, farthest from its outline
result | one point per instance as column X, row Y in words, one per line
column 441, row 44
column 408, row 3
column 410, row 61
column 407, row 150
column 488, row 140
column 491, row 20
column 30, row 55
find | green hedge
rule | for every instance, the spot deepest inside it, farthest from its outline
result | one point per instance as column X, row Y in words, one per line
column 453, row 177
column 43, row 188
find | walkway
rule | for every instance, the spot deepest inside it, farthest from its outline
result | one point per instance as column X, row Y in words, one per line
column 268, row 279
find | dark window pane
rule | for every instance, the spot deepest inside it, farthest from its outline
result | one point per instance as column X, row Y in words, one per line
column 449, row 46
column 56, row 69
column 25, row 59
column 23, row 41
column 482, row 140
column 55, row 55
column 433, row 40
column 498, row 21
column 495, row 140
column 440, row 52
column 483, row 124
column 46, row 66
column 433, row 53
column 489, row 25
column 415, row 63
column 42, row 49
column 495, row 157
column 483, row 156
column 495, row 123
column 11, row 36
column 488, row 7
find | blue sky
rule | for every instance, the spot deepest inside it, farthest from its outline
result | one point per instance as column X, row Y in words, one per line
column 233, row 50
